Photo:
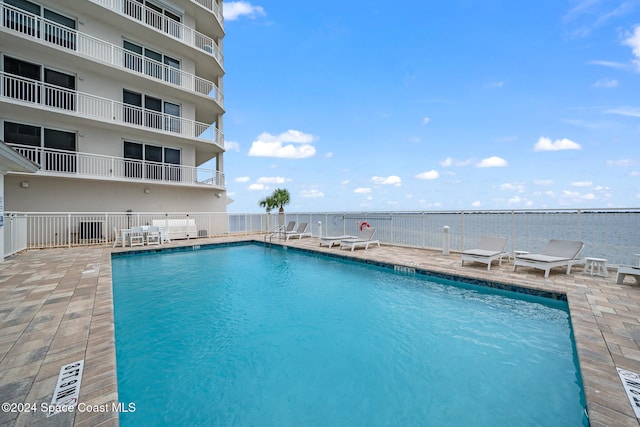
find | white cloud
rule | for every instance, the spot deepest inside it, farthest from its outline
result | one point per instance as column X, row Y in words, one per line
column 633, row 41
column 515, row 186
column 390, row 180
column 625, row 111
column 606, row 83
column 582, row 184
column 271, row 180
column 493, row 85
column 231, row 145
column 426, row 120
column 329, row 154
column 233, row 10
column 432, row 174
column 311, row 194
column 257, row 187
column 492, row 162
column 543, row 182
column 545, row 144
column 362, row 190
column 608, row 64
column 268, row 145
column 476, row 204
column 345, row 182
column 449, row 161
column 242, row 179
column 621, row 162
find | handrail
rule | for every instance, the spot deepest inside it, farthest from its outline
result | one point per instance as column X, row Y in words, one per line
column 131, row 9
column 83, row 44
column 109, row 167
column 71, row 101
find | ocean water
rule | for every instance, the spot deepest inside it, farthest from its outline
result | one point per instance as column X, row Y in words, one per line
column 251, row 336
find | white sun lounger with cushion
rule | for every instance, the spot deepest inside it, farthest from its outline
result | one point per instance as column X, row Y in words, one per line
column 334, row 240
column 628, row 270
column 365, row 238
column 300, row 232
column 557, row 253
column 487, row 250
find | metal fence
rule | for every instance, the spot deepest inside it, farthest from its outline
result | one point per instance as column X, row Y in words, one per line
column 613, row 234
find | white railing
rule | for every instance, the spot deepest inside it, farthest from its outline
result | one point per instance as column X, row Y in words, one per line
column 213, row 7
column 15, row 233
column 98, row 166
column 152, row 19
column 100, row 50
column 83, row 104
column 613, row 234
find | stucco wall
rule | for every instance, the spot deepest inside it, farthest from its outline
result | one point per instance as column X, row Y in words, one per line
column 47, row 194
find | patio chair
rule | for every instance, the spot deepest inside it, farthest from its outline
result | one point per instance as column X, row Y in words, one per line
column 136, row 236
column 365, row 238
column 628, row 270
column 283, row 231
column 334, row 240
column 557, row 253
column 152, row 235
column 300, row 232
column 487, row 250
column 118, row 237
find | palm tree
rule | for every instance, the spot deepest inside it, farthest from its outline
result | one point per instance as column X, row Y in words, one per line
column 281, row 197
column 268, row 203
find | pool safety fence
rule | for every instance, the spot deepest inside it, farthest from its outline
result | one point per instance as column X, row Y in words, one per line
column 612, row 234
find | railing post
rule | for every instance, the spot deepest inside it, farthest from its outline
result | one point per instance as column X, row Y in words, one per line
column 69, row 228
column 579, row 225
column 445, row 240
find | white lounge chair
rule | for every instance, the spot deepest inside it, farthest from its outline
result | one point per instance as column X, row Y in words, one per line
column 365, row 238
column 334, row 240
column 628, row 270
column 557, row 253
column 283, row 231
column 487, row 250
column 300, row 232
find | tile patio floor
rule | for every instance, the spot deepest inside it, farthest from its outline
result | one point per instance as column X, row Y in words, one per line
column 56, row 308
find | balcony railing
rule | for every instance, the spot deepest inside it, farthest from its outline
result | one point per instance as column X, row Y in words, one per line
column 152, row 19
column 99, row 50
column 64, row 100
column 213, row 7
column 86, row 165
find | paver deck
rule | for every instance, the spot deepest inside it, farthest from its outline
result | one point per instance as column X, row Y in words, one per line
column 56, row 307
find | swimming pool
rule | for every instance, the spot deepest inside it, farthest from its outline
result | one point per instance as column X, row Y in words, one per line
column 246, row 335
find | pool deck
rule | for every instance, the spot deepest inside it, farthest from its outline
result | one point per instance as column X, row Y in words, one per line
column 56, row 308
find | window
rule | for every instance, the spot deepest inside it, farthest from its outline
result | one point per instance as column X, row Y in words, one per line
column 155, row 15
column 154, row 114
column 59, row 91
column 56, row 28
column 159, row 163
column 153, row 63
column 60, row 146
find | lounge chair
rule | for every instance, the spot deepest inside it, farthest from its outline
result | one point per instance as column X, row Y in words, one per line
column 300, row 232
column 487, row 250
column 152, row 235
column 628, row 270
column 290, row 228
column 365, row 238
column 557, row 253
column 334, row 240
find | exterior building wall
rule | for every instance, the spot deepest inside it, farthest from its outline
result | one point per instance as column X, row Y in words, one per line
column 97, row 196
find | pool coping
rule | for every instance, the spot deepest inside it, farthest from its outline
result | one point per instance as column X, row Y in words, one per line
column 56, row 306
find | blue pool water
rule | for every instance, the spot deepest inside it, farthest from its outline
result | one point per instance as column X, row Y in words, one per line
column 250, row 336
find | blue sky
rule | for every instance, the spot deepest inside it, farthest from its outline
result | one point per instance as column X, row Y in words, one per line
column 375, row 105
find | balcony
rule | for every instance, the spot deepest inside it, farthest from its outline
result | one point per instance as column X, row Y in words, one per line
column 213, row 7
column 85, row 45
column 55, row 98
column 131, row 9
column 94, row 166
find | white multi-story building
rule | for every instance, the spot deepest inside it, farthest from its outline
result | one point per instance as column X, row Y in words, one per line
column 118, row 101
